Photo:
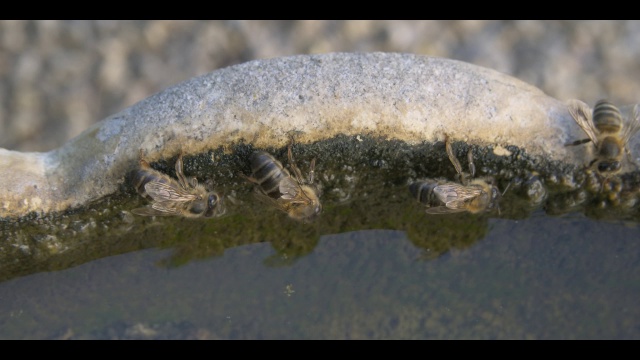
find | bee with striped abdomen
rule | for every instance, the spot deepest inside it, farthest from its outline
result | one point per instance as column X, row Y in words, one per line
column 291, row 194
column 608, row 131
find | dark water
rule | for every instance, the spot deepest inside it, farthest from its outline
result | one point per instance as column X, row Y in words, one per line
column 541, row 277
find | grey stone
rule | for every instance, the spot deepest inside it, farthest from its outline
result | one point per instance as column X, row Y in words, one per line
column 408, row 97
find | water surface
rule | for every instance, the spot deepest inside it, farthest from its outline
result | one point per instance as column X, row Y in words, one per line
column 543, row 277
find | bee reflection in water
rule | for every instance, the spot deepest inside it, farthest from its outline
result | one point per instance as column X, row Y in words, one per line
column 446, row 197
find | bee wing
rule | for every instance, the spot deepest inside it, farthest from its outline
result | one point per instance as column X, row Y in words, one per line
column 160, row 191
column 289, row 189
column 443, row 210
column 449, row 192
column 633, row 124
column 582, row 114
column 266, row 199
column 456, row 196
column 169, row 207
column 460, row 204
column 150, row 211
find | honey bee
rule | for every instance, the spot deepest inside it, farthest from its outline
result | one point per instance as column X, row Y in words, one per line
column 445, row 197
column 183, row 197
column 275, row 185
column 608, row 132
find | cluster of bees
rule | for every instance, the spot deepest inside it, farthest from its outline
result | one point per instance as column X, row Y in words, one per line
column 299, row 197
column 296, row 196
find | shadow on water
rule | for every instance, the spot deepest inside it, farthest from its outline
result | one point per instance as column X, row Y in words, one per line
column 364, row 183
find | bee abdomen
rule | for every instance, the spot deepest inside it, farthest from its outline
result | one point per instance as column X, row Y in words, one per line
column 141, row 177
column 268, row 172
column 607, row 117
column 423, row 191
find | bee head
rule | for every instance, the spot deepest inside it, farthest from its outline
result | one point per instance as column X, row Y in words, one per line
column 198, row 207
column 306, row 212
column 214, row 205
column 608, row 167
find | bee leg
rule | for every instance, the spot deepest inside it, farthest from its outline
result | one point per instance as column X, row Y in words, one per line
column 453, row 158
column 292, row 164
column 249, row 178
column 630, row 158
column 289, row 152
column 577, row 142
column 603, row 182
column 181, row 178
column 143, row 163
column 472, row 166
column 603, row 179
column 505, row 189
column 312, row 171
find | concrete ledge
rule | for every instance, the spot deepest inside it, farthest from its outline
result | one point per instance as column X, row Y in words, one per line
column 396, row 96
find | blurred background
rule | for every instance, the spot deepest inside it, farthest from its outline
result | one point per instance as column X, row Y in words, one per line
column 59, row 77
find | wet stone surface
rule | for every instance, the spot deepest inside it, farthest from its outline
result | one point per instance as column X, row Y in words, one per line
column 363, row 182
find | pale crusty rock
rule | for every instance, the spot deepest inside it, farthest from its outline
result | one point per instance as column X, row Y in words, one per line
column 401, row 96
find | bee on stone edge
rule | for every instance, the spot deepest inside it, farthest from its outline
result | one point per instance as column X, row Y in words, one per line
column 275, row 185
column 473, row 195
column 170, row 197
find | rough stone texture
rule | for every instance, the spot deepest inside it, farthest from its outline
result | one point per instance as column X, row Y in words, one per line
column 57, row 78
column 400, row 96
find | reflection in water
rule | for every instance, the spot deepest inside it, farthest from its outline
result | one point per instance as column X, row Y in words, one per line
column 538, row 278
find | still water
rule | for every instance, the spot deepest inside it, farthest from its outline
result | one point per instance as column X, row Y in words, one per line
column 541, row 277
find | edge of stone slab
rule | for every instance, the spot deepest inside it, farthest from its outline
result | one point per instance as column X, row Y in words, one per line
column 409, row 97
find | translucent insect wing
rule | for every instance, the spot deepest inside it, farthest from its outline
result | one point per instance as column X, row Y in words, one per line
column 289, row 189
column 582, row 115
column 164, row 192
column 632, row 126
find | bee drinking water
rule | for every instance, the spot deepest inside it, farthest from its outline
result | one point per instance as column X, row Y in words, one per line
column 275, row 185
column 444, row 197
column 170, row 197
column 608, row 131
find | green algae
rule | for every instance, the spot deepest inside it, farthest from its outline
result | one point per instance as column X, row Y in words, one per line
column 364, row 185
